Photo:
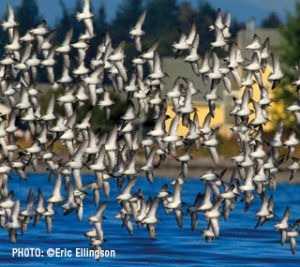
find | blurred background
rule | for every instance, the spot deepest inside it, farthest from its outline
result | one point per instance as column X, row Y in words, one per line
column 278, row 20
column 164, row 17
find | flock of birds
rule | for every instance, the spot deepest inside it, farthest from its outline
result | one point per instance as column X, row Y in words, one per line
column 112, row 156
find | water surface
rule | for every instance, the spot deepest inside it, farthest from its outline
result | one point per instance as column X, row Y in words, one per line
column 239, row 243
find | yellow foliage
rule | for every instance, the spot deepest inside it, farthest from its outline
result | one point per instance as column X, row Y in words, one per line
column 202, row 110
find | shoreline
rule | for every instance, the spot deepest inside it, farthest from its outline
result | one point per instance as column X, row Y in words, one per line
column 170, row 168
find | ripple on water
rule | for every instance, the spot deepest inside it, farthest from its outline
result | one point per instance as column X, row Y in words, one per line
column 239, row 243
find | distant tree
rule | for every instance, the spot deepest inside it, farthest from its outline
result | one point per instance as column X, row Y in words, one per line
column 186, row 15
column 206, row 15
column 161, row 16
column 236, row 26
column 64, row 24
column 272, row 21
column 290, row 33
column 28, row 15
column 290, row 57
column 101, row 23
column 162, row 23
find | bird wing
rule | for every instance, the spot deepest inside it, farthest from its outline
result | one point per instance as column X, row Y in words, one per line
column 86, row 6
column 141, row 20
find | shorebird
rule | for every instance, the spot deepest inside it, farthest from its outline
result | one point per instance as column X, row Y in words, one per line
column 86, row 16
column 136, row 32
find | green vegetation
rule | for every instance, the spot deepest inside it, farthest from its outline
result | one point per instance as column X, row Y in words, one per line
column 291, row 35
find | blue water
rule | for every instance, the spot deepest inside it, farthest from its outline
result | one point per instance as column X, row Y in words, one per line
column 239, row 243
